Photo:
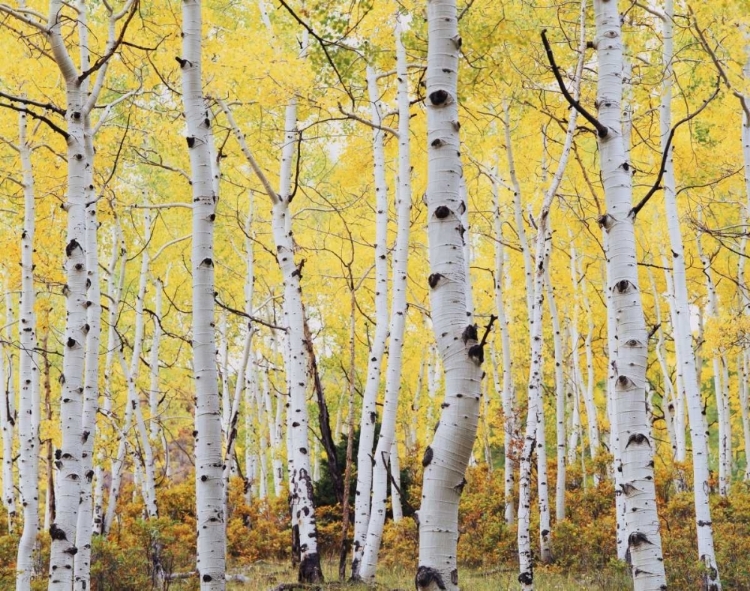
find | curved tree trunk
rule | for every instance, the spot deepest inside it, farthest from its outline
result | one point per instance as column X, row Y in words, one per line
column 446, row 458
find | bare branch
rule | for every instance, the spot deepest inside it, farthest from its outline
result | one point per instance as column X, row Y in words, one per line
column 601, row 129
column 665, row 155
column 248, row 154
column 367, row 122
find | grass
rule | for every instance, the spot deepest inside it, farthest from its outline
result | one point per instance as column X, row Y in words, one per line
column 265, row 576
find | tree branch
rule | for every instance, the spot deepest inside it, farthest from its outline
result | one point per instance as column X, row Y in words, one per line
column 601, row 129
column 38, row 117
column 634, row 212
column 367, row 122
column 107, row 56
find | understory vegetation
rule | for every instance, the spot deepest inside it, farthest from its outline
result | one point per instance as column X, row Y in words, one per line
column 259, row 534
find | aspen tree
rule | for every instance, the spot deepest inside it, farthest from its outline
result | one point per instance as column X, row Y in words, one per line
column 629, row 360
column 686, row 363
column 396, row 326
column 510, row 420
column 29, row 402
column 298, row 446
column 8, row 413
column 535, row 435
column 208, row 448
column 368, row 418
column 446, row 458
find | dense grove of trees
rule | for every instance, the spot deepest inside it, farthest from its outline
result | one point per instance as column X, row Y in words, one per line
column 396, row 258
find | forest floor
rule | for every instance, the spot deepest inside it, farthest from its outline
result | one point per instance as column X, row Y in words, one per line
column 270, row 576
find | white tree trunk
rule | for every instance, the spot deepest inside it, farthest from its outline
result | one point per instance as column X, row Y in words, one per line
column 85, row 525
column 518, row 211
column 683, row 334
column 396, row 327
column 8, row 415
column 368, row 419
column 630, row 355
column 208, row 449
column 29, row 409
column 68, row 457
column 447, row 457
column 153, row 390
column 395, row 485
column 559, row 401
column 510, row 419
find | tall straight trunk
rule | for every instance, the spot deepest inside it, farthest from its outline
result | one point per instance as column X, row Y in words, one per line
column 68, row 457
column 368, row 419
column 446, row 458
column 85, row 525
column 682, row 330
column 510, row 419
column 153, row 389
column 211, row 563
column 8, row 414
column 630, row 353
column 518, row 212
column 395, row 329
column 535, row 424
column 29, row 403
column 559, row 401
column 412, row 440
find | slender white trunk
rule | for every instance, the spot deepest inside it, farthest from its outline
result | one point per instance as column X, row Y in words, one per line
column 153, row 390
column 368, row 419
column 535, row 424
column 85, row 525
column 559, row 401
column 395, row 485
column 742, row 364
column 630, row 354
column 29, row 402
column 412, row 441
column 395, row 328
column 518, row 211
column 8, row 416
column 277, row 465
column 679, row 391
column 510, row 419
column 208, row 449
column 683, row 334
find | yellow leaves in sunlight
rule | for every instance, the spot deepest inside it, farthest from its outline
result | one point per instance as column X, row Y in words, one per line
column 729, row 333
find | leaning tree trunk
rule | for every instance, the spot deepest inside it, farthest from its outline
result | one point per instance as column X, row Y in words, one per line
column 209, row 460
column 630, row 354
column 446, row 458
column 298, row 447
column 395, row 329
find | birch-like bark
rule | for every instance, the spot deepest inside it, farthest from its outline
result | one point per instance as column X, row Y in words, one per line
column 559, row 401
column 518, row 212
column 29, row 402
column 396, row 326
column 153, row 389
column 84, row 529
column 368, row 419
column 630, row 354
column 298, row 454
column 211, row 563
column 683, row 334
column 535, row 425
column 447, row 457
column 510, row 419
column 8, row 414
column 68, row 482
